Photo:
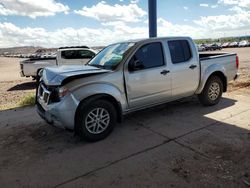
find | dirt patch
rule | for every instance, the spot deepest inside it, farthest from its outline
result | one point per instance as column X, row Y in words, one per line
column 13, row 87
column 228, row 168
column 244, row 79
column 28, row 143
column 11, row 92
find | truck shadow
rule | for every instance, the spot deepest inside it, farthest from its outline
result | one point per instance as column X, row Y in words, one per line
column 163, row 117
column 23, row 86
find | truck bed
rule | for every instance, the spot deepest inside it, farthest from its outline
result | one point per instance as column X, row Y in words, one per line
column 224, row 62
column 32, row 60
column 204, row 56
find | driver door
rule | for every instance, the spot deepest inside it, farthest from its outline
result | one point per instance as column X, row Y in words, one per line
column 148, row 80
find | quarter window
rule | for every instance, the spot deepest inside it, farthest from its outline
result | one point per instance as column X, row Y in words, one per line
column 180, row 51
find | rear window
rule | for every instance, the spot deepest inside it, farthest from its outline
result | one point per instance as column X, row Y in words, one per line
column 180, row 51
column 77, row 54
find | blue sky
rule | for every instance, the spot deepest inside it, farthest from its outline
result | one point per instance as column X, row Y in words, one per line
column 69, row 22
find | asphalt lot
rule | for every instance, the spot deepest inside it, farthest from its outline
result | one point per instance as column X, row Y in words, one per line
column 179, row 144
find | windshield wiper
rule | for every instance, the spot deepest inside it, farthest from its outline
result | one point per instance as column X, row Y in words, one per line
column 96, row 65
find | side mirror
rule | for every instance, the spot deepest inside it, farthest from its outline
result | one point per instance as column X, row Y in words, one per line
column 135, row 65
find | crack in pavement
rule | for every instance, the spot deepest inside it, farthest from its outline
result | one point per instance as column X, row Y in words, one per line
column 175, row 138
column 190, row 132
column 168, row 140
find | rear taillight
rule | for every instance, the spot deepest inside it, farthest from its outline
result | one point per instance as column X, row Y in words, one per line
column 237, row 62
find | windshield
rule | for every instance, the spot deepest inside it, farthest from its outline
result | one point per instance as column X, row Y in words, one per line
column 111, row 56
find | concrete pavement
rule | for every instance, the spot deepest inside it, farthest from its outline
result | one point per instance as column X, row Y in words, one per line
column 180, row 144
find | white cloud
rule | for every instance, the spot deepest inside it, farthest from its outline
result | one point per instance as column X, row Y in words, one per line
column 166, row 28
column 134, row 1
column 110, row 32
column 240, row 3
column 236, row 21
column 12, row 35
column 214, row 6
column 237, row 10
column 31, row 8
column 106, row 13
column 116, row 26
column 235, row 24
column 186, row 8
column 204, row 5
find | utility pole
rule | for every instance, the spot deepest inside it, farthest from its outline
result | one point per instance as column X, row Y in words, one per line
column 152, row 18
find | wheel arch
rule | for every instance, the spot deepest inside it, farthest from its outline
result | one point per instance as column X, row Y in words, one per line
column 102, row 96
column 218, row 73
column 222, row 77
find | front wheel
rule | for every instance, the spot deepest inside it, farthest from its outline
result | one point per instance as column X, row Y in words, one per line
column 212, row 91
column 95, row 120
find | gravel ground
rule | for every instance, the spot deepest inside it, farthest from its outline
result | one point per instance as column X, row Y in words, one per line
column 244, row 58
column 13, row 87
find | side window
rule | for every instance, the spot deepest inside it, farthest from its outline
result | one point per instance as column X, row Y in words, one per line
column 85, row 54
column 180, row 51
column 69, row 54
column 148, row 56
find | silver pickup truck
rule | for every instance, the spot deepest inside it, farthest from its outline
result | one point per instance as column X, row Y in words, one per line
column 129, row 76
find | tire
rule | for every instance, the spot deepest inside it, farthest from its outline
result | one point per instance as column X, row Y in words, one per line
column 95, row 120
column 212, row 92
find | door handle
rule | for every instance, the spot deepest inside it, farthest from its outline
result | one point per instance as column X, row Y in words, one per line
column 164, row 72
column 193, row 66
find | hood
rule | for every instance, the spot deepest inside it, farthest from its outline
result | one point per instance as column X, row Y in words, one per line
column 63, row 74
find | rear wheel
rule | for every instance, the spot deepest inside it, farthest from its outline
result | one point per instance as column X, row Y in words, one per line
column 212, row 91
column 95, row 120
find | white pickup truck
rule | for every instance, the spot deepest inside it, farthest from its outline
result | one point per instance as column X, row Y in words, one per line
column 78, row 55
column 129, row 76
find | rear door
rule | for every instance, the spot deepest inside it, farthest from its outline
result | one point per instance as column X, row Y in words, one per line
column 151, row 83
column 85, row 56
column 184, row 68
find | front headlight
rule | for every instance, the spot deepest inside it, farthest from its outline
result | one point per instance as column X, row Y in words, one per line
column 63, row 91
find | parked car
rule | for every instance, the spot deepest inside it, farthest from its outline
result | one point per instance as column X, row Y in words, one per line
column 65, row 56
column 233, row 44
column 200, row 48
column 204, row 47
column 216, row 47
column 213, row 47
column 244, row 43
column 225, row 45
column 129, row 76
